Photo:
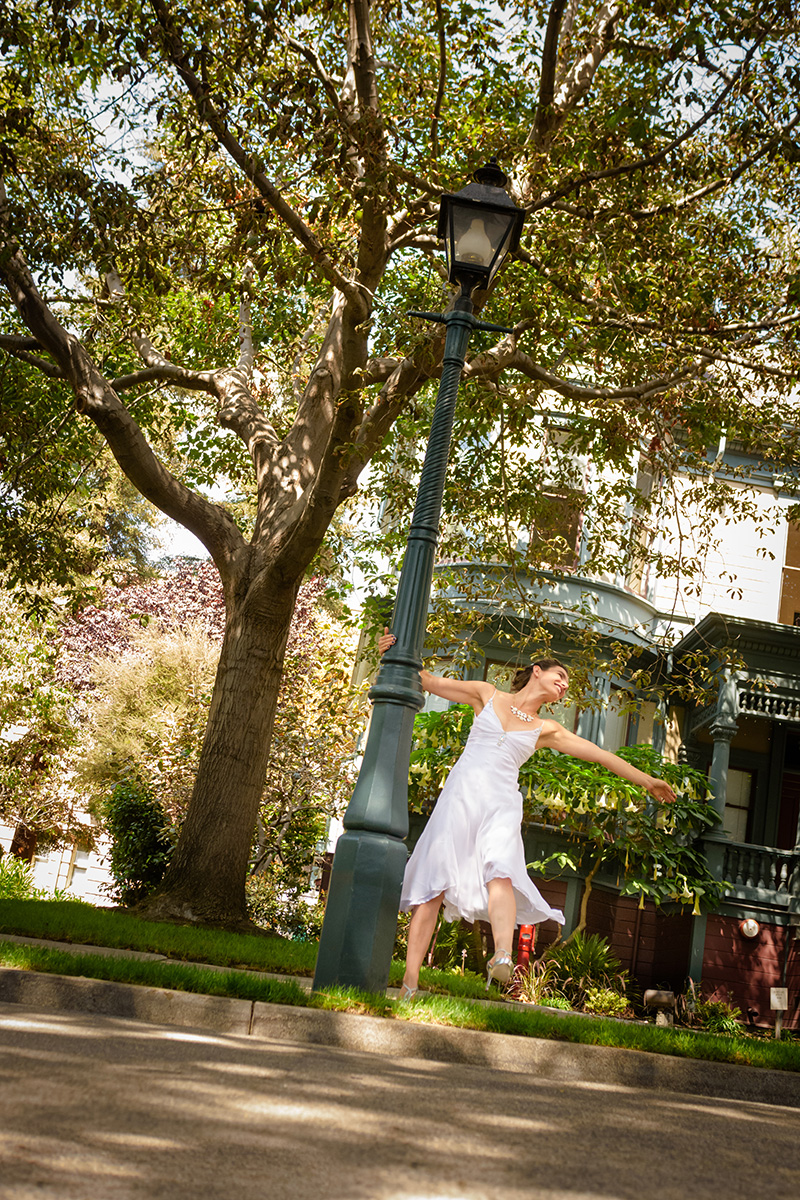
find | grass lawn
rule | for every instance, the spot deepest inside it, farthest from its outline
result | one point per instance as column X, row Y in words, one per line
column 80, row 923
column 73, row 921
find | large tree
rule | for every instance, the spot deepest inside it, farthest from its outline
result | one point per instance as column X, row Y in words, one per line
column 212, row 215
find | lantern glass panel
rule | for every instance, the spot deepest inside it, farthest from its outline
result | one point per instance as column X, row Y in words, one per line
column 479, row 238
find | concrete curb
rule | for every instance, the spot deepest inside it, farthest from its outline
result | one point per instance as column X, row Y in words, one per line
column 554, row 1061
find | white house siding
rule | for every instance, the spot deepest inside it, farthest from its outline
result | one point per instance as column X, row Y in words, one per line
column 724, row 551
column 71, row 868
column 77, row 871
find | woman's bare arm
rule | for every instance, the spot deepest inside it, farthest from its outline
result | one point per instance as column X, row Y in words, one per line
column 556, row 737
column 461, row 691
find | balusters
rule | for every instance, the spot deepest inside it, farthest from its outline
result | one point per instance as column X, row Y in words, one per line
column 738, row 856
column 748, row 868
column 761, row 868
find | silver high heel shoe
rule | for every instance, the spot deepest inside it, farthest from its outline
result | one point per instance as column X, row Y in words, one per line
column 407, row 993
column 499, row 967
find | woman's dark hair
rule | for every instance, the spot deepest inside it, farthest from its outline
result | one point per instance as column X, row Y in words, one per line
column 524, row 673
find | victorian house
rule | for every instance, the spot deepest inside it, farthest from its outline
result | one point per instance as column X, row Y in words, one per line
column 738, row 625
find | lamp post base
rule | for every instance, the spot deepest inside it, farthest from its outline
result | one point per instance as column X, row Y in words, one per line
column 361, row 914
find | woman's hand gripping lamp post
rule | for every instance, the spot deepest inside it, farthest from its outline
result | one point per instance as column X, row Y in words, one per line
column 479, row 225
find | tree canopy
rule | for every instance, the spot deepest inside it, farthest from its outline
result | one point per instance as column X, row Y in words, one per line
column 212, row 221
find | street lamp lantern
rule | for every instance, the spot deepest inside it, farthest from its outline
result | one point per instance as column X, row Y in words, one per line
column 479, row 225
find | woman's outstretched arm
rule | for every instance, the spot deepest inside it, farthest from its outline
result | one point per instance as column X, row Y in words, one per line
column 461, row 691
column 556, row 737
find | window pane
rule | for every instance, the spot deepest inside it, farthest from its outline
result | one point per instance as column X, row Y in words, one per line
column 615, row 732
column 793, row 545
column 556, row 528
column 737, row 804
column 790, row 598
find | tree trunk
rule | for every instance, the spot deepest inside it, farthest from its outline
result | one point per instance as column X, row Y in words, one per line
column 205, row 881
column 587, row 891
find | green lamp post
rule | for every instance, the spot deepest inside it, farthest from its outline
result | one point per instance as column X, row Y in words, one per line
column 479, row 225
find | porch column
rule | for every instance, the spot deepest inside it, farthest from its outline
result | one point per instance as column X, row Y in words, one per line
column 723, row 735
column 723, row 730
column 794, row 889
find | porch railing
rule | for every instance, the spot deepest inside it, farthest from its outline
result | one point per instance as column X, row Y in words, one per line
column 760, row 873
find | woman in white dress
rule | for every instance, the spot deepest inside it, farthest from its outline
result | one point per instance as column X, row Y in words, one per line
column 470, row 857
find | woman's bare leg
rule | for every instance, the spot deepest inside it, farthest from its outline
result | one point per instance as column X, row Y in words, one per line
column 420, row 932
column 502, row 913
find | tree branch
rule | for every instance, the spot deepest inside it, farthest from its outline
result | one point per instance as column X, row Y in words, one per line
column 578, row 81
column 652, row 159
column 97, row 400
column 33, row 360
column 308, row 333
column 325, row 492
column 428, row 187
column 404, row 381
column 238, row 410
column 160, row 369
column 552, row 110
column 614, row 318
column 311, row 56
column 246, row 352
column 247, row 162
column 724, row 180
column 544, row 115
column 507, row 356
column 371, row 257
column 417, row 241
column 362, row 57
column 288, row 494
column 437, row 106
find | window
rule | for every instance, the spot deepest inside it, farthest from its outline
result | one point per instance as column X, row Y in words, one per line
column 556, row 529
column 641, row 531
column 557, row 501
column 789, row 611
column 617, row 723
column 737, row 804
column 76, row 881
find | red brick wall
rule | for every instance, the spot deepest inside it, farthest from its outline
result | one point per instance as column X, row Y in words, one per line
column 651, row 946
column 630, row 930
column 654, row 947
column 555, row 893
column 742, row 970
column 673, row 947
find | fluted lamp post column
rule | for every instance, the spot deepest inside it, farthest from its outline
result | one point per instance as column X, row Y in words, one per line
column 479, row 225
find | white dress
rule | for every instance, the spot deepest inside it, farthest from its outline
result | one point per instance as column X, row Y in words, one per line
column 473, row 834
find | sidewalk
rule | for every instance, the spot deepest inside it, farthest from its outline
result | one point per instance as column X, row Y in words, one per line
column 545, row 1060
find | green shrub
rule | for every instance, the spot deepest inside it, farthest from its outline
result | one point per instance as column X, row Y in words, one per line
column 16, row 882
column 537, row 984
column 140, row 844
column 716, row 1016
column 16, row 879
column 283, row 912
column 605, row 1002
column 457, row 947
column 584, row 962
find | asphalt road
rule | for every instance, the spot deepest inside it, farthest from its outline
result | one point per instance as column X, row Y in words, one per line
column 101, row 1108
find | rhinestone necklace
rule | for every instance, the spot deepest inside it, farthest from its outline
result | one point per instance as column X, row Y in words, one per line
column 522, row 716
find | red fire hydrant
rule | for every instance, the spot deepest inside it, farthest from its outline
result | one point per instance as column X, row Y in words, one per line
column 527, row 938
